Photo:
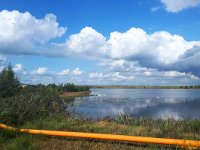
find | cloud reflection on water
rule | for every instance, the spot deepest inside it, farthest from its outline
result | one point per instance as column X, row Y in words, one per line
column 162, row 104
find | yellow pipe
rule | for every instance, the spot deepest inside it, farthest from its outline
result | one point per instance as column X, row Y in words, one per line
column 165, row 141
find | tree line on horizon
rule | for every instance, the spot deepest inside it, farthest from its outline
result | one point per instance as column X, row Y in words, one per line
column 147, row 87
column 10, row 84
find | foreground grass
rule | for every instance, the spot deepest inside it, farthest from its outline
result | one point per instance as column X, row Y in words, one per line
column 124, row 125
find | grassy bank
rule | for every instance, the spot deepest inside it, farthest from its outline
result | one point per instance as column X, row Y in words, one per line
column 123, row 125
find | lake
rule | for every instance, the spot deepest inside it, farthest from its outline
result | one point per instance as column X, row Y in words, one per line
column 154, row 103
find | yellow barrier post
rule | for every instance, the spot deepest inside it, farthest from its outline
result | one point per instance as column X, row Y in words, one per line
column 165, row 141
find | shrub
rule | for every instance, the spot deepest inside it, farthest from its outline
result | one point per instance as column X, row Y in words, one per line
column 29, row 104
column 9, row 83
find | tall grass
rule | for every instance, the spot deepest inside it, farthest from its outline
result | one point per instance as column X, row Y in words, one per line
column 29, row 105
column 169, row 128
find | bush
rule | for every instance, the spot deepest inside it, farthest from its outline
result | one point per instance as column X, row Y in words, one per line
column 30, row 103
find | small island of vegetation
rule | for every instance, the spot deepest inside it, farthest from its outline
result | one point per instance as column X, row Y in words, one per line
column 41, row 107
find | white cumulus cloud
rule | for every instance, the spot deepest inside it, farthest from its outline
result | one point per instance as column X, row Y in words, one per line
column 88, row 43
column 76, row 71
column 147, row 73
column 179, row 74
column 94, row 75
column 179, row 5
column 63, row 73
column 173, row 74
column 40, row 71
column 117, row 76
column 22, row 33
column 158, row 48
column 18, row 68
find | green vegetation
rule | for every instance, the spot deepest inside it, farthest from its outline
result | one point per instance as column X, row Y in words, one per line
column 32, row 101
column 73, row 88
column 123, row 125
column 40, row 107
column 69, row 87
column 9, row 84
column 29, row 104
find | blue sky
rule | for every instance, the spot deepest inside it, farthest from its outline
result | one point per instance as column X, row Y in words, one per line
column 118, row 42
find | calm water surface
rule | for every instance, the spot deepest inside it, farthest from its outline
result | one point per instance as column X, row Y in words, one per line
column 154, row 103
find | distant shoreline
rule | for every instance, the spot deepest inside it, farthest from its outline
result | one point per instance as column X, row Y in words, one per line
column 145, row 87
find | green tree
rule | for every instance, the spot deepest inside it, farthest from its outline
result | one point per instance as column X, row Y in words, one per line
column 9, row 83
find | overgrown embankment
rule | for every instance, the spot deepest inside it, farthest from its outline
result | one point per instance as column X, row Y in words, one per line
column 122, row 125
